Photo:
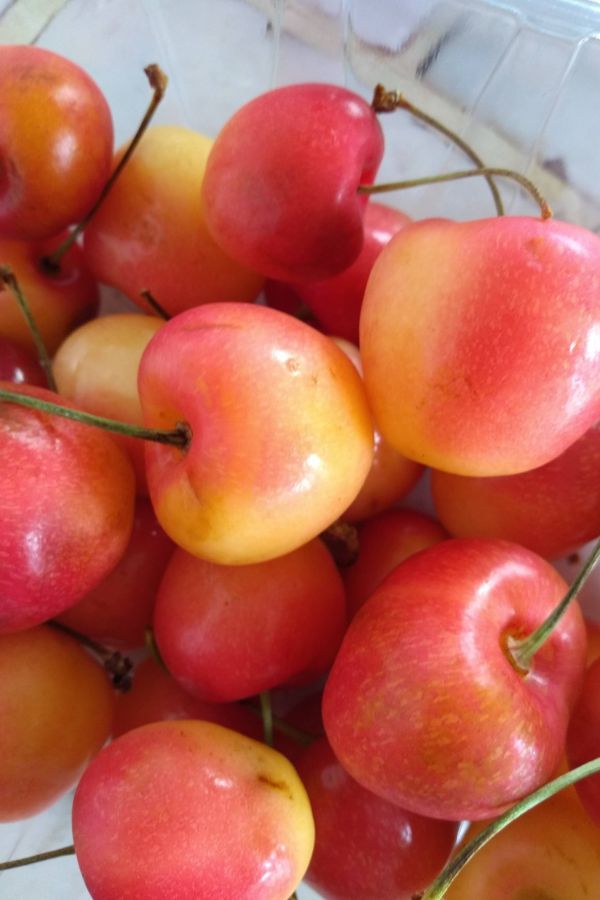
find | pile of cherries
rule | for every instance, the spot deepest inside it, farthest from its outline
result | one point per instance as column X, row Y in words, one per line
column 335, row 681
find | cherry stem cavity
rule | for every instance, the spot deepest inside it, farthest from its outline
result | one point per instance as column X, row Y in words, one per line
column 38, row 857
column 155, row 305
column 9, row 280
column 158, row 82
column 523, row 650
column 545, row 210
column 118, row 666
column 385, row 101
column 177, row 437
column 441, row 884
column 267, row 717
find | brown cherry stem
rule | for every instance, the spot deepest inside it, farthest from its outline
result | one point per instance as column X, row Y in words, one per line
column 9, row 279
column 152, row 648
column 267, row 717
column 545, row 210
column 438, row 888
column 341, row 539
column 155, row 305
column 385, row 101
column 158, row 82
column 38, row 857
column 523, row 650
column 177, row 437
column 118, row 666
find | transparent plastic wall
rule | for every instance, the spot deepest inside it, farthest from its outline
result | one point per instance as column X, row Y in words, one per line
column 519, row 80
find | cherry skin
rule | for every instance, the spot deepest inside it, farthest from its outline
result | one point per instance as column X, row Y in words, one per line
column 488, row 332
column 53, row 164
column 188, row 809
column 551, row 509
column 365, row 847
column 59, row 300
column 385, row 541
column 57, row 707
column 426, row 706
column 155, row 696
column 391, row 476
column 18, row 365
column 150, row 232
column 281, row 433
column 67, row 498
column 229, row 632
column 583, row 738
column 336, row 302
column 550, row 853
column 119, row 609
column 280, row 189
column 96, row 367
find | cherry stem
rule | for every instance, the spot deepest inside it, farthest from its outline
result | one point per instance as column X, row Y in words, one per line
column 118, row 666
column 177, row 437
column 545, row 210
column 152, row 648
column 341, row 539
column 385, row 101
column 39, row 857
column 296, row 734
column 155, row 305
column 158, row 82
column 441, row 884
column 267, row 717
column 8, row 278
column 523, row 650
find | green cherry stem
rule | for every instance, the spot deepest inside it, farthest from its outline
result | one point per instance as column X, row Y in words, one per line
column 38, row 857
column 523, row 650
column 545, row 210
column 177, row 437
column 441, row 884
column 9, row 279
column 385, row 101
column 158, row 82
column 267, row 717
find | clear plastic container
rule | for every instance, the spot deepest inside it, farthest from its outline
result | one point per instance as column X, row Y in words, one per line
column 516, row 78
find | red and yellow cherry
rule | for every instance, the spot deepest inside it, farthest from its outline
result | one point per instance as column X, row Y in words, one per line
column 150, row 233
column 550, row 853
column 551, row 509
column 96, row 367
column 426, row 703
column 119, row 609
column 56, row 706
column 59, row 300
column 365, row 847
column 479, row 342
column 67, row 499
column 229, row 632
column 281, row 434
column 19, row 365
column 54, row 163
column 385, row 541
column 280, row 188
column 216, row 814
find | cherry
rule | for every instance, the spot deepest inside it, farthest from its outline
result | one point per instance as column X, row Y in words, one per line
column 52, row 164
